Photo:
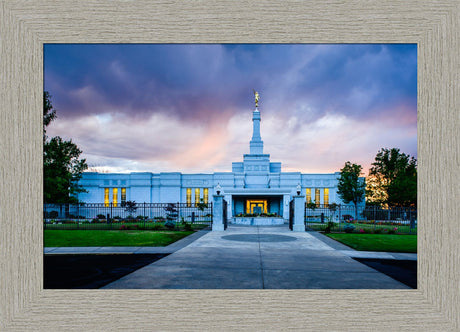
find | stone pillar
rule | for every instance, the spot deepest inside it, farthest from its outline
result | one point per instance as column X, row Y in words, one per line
column 217, row 213
column 299, row 214
column 285, row 206
column 228, row 198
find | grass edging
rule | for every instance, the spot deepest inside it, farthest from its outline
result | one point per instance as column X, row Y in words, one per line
column 93, row 238
column 377, row 242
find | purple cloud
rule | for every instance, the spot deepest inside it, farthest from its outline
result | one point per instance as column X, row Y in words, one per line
column 111, row 98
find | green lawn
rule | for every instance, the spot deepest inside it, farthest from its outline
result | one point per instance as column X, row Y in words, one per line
column 88, row 238
column 378, row 242
column 154, row 226
column 369, row 228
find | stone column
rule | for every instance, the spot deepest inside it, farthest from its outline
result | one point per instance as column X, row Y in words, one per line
column 285, row 207
column 217, row 213
column 228, row 198
column 299, row 214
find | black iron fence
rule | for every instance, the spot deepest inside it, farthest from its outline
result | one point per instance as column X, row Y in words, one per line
column 370, row 219
column 224, row 214
column 122, row 216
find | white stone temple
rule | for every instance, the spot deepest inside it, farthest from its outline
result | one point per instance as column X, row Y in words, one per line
column 254, row 185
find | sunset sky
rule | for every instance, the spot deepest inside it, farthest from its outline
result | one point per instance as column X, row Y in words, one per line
column 188, row 108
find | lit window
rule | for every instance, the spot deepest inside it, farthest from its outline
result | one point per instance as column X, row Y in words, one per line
column 106, row 196
column 123, row 195
column 197, row 196
column 189, row 196
column 326, row 197
column 308, row 192
column 115, row 196
column 205, row 195
column 317, row 198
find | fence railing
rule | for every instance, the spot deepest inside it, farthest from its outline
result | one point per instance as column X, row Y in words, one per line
column 370, row 219
column 111, row 216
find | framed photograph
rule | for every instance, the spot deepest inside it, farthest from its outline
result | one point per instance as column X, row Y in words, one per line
column 25, row 28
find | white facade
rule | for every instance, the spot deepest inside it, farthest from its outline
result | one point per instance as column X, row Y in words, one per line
column 253, row 185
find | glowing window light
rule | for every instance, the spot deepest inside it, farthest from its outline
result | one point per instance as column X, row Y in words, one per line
column 189, row 197
column 106, row 196
column 308, row 194
column 115, row 196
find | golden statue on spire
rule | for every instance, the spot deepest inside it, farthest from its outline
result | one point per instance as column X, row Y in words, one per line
column 256, row 97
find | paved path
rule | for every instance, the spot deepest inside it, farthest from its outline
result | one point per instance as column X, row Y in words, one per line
column 256, row 258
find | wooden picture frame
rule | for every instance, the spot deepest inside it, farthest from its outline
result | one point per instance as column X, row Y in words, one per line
column 26, row 26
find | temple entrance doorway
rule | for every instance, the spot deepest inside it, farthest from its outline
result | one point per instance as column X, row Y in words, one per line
column 257, row 204
column 254, row 206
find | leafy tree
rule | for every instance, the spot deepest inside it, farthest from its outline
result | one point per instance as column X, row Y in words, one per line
column 375, row 193
column 130, row 206
column 49, row 113
column 350, row 187
column 61, row 167
column 202, row 205
column 395, row 178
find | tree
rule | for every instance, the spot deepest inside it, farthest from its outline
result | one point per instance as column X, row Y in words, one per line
column 130, row 207
column 395, row 178
column 375, row 194
column 61, row 167
column 49, row 113
column 350, row 187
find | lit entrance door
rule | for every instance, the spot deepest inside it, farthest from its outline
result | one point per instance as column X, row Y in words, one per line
column 256, row 206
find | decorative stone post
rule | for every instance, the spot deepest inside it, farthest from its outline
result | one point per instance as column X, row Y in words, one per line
column 217, row 213
column 299, row 213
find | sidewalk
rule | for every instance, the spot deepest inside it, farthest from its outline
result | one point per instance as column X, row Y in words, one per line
column 253, row 258
column 347, row 251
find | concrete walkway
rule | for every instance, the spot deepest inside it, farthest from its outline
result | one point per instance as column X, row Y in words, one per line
column 257, row 258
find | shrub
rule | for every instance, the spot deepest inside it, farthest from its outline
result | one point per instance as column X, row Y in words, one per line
column 311, row 205
column 349, row 228
column 347, row 218
column 392, row 231
column 123, row 228
column 100, row 216
column 377, row 231
column 329, row 226
column 53, row 214
column 157, row 227
column 169, row 224
column 333, row 206
column 187, row 226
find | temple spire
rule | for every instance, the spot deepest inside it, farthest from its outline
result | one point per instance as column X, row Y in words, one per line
column 256, row 145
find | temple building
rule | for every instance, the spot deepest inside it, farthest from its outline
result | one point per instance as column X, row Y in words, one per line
column 255, row 185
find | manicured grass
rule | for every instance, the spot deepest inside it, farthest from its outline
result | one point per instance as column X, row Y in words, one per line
column 88, row 238
column 369, row 228
column 378, row 242
column 154, row 226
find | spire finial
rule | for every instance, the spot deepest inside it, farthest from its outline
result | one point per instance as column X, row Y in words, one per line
column 256, row 97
